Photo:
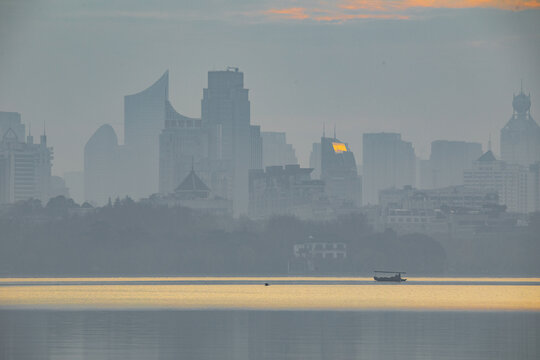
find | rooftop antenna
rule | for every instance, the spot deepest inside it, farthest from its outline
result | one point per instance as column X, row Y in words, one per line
column 192, row 163
column 334, row 131
column 44, row 133
column 323, row 130
column 522, row 86
column 489, row 142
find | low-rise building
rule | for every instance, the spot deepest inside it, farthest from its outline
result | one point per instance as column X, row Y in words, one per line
column 285, row 190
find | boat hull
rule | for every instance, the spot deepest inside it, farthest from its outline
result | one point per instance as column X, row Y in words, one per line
column 389, row 279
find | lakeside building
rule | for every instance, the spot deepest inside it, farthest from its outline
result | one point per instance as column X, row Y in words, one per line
column 388, row 162
column 25, row 167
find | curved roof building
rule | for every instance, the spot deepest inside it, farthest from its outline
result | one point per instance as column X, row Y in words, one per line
column 144, row 118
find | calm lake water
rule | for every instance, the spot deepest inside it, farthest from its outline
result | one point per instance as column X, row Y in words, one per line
column 293, row 318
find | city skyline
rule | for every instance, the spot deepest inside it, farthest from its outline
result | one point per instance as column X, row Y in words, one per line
column 360, row 84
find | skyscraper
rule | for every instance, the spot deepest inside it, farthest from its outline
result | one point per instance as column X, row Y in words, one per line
column 388, row 162
column 508, row 180
column 339, row 172
column 315, row 160
column 101, row 166
column 144, row 118
column 25, row 167
column 256, row 148
column 520, row 137
column 276, row 151
column 225, row 112
column 447, row 161
column 183, row 143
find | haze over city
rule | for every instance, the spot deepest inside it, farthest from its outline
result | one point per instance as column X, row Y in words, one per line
column 441, row 71
column 279, row 179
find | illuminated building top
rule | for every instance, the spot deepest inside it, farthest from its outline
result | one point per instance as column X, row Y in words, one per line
column 339, row 147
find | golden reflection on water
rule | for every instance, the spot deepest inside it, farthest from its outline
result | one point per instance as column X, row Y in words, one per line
column 276, row 296
column 258, row 278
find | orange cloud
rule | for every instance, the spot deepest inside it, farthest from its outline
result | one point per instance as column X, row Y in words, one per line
column 392, row 5
column 345, row 10
column 296, row 13
column 344, row 17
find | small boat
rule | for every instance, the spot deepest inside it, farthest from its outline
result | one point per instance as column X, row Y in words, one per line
column 396, row 277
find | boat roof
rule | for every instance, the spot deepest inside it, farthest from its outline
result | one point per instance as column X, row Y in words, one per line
column 390, row 272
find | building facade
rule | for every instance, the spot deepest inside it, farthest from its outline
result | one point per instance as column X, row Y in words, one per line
column 182, row 144
column 102, row 167
column 388, row 162
column 276, row 151
column 447, row 162
column 339, row 172
column 279, row 190
column 144, row 118
column 25, row 167
column 225, row 113
column 520, row 137
column 508, row 180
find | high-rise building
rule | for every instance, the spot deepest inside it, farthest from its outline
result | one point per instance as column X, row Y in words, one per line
column 388, row 162
column 447, row 162
column 315, row 160
column 508, row 180
column 12, row 120
column 276, row 151
column 101, row 167
column 520, row 137
column 25, row 167
column 225, row 112
column 533, row 188
column 183, row 143
column 339, row 172
column 144, row 118
column 256, row 147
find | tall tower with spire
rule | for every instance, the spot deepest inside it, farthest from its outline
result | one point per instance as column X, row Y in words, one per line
column 520, row 137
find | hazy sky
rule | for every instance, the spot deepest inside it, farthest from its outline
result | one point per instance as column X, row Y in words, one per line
column 430, row 69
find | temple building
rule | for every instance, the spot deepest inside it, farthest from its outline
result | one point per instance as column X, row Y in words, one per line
column 194, row 194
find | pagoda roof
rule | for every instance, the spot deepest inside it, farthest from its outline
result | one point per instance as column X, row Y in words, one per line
column 488, row 156
column 192, row 183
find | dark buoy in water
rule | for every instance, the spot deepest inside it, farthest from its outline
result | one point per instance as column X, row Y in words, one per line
column 266, row 284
